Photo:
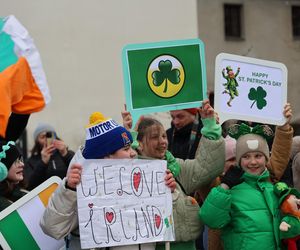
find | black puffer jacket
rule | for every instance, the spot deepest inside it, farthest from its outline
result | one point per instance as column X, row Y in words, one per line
column 9, row 193
column 36, row 171
column 179, row 141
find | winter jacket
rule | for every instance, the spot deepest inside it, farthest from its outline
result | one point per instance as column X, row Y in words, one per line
column 36, row 171
column 9, row 197
column 248, row 214
column 179, row 141
column 60, row 217
column 279, row 158
column 208, row 164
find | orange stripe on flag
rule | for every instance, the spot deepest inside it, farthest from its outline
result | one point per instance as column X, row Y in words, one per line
column 19, row 92
column 45, row 194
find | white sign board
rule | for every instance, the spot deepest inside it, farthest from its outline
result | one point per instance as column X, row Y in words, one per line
column 123, row 202
column 250, row 89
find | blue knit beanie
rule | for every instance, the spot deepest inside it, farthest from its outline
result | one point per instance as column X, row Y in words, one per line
column 104, row 137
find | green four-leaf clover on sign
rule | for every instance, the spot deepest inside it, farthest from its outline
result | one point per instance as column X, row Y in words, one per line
column 258, row 96
column 165, row 73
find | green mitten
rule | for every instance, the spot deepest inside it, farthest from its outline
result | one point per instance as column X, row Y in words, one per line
column 172, row 164
column 211, row 129
column 135, row 143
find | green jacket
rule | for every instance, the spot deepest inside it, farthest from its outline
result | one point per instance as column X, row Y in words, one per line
column 248, row 214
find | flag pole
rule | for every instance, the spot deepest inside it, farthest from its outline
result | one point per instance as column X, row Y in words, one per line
column 167, row 245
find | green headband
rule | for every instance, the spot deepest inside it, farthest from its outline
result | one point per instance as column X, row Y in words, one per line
column 3, row 168
column 5, row 148
column 236, row 130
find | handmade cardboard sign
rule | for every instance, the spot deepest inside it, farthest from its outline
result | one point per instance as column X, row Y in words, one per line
column 20, row 222
column 123, row 202
column 164, row 76
column 250, row 89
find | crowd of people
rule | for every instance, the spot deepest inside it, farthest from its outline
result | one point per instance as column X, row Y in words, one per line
column 226, row 180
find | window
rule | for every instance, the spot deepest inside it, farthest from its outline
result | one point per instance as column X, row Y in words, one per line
column 233, row 21
column 296, row 21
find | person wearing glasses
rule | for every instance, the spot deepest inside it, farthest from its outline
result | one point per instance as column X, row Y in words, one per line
column 11, row 174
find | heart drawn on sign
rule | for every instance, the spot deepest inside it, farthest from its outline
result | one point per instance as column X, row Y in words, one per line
column 136, row 180
column 109, row 216
column 91, row 205
column 157, row 220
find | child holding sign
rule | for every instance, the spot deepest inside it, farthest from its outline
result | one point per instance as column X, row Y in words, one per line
column 207, row 165
column 105, row 140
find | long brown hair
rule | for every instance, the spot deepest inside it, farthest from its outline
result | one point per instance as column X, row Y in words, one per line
column 37, row 147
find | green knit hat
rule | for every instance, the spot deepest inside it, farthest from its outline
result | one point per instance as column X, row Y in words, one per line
column 282, row 190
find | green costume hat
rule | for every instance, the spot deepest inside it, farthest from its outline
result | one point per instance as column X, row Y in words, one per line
column 228, row 68
column 282, row 190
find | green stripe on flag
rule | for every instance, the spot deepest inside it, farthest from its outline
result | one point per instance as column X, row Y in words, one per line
column 16, row 233
column 7, row 54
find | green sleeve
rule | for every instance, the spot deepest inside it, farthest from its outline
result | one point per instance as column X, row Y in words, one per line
column 211, row 129
column 172, row 163
column 215, row 211
column 134, row 143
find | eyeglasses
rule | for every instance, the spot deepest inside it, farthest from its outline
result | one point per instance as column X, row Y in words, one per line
column 19, row 160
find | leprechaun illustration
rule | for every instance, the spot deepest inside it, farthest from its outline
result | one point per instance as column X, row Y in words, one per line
column 231, row 84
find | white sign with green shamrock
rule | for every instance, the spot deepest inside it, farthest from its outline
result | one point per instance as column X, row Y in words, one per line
column 250, row 89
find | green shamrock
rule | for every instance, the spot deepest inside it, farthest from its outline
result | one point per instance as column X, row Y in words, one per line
column 281, row 186
column 165, row 73
column 167, row 222
column 258, row 95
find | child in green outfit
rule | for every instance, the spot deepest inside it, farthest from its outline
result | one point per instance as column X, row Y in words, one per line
column 244, row 206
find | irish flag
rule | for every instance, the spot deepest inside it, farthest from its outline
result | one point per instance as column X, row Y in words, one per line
column 23, row 84
column 19, row 223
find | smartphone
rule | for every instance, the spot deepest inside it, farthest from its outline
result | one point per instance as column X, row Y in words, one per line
column 50, row 137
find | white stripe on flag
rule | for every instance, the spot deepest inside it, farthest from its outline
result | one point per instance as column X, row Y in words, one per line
column 31, row 213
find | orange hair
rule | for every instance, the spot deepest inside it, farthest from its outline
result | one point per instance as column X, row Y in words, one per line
column 286, row 208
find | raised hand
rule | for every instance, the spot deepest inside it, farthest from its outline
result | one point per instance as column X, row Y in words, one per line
column 170, row 181
column 74, row 175
column 206, row 111
column 288, row 114
column 47, row 152
column 60, row 146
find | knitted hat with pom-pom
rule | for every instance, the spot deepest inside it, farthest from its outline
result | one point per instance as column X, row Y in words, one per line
column 104, row 137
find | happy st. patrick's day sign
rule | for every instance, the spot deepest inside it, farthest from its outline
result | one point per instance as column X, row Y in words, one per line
column 250, row 89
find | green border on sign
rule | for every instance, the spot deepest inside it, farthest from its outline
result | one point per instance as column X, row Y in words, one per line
column 185, row 88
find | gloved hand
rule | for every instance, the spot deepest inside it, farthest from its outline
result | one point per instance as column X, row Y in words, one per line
column 233, row 176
